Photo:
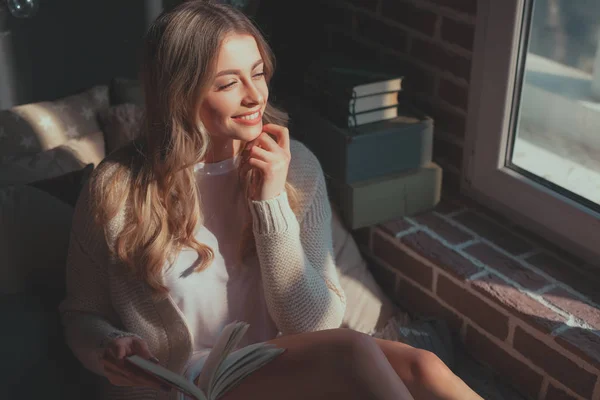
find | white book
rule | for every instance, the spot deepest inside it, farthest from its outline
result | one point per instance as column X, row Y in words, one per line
column 221, row 370
column 366, row 103
column 381, row 114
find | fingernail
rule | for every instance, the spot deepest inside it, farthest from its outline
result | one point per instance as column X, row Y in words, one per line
column 154, row 359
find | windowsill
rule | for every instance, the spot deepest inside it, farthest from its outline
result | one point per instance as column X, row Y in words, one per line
column 531, row 315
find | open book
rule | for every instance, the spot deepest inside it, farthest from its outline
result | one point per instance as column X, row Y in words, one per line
column 221, row 370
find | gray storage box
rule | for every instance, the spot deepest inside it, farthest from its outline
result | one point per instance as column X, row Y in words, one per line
column 382, row 199
column 368, row 151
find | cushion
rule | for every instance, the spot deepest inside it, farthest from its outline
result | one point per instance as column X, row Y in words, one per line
column 368, row 309
column 120, row 124
column 34, row 238
column 66, row 187
column 36, row 362
column 125, row 90
column 73, row 155
column 35, row 127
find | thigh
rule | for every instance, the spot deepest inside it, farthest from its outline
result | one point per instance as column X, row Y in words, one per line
column 312, row 367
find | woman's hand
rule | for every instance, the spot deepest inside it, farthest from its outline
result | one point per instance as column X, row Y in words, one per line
column 121, row 373
column 271, row 158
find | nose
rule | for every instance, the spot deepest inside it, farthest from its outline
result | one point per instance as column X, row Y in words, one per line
column 253, row 95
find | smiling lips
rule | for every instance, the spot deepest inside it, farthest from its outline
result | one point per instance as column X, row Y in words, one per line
column 249, row 119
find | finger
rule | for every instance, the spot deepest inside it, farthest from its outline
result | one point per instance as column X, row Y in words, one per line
column 261, row 165
column 265, row 141
column 262, row 154
column 281, row 133
column 140, row 348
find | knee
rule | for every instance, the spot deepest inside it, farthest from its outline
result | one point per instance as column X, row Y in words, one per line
column 427, row 369
column 349, row 346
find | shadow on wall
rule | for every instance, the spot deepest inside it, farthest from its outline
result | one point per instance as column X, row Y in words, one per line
column 70, row 45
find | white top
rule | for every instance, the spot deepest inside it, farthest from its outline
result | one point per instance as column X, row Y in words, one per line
column 228, row 289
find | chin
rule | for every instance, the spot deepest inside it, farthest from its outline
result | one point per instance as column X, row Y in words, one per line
column 249, row 133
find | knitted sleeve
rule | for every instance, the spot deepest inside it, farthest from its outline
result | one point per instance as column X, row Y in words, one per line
column 296, row 256
column 86, row 312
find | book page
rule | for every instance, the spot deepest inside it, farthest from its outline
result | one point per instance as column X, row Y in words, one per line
column 171, row 378
column 226, row 343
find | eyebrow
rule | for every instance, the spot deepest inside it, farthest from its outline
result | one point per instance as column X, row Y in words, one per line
column 237, row 71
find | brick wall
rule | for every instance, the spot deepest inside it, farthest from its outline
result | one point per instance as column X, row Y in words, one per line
column 530, row 314
column 431, row 42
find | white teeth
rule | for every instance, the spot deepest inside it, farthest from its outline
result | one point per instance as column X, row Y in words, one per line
column 250, row 117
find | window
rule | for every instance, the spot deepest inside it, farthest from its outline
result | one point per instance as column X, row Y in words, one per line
column 533, row 136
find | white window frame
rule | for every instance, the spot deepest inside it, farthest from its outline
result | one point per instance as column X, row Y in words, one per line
column 537, row 208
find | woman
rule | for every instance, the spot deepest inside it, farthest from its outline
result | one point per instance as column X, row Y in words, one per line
column 215, row 215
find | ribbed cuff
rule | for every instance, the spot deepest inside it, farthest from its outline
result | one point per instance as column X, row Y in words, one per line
column 273, row 215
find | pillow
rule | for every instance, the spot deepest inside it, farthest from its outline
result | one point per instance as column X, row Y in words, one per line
column 71, row 156
column 34, row 238
column 36, row 127
column 125, row 90
column 121, row 124
column 67, row 186
column 36, row 362
column 368, row 309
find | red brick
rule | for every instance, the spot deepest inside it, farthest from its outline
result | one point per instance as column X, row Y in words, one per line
column 447, row 121
column 457, row 95
column 573, row 305
column 451, row 181
column 555, row 393
column 342, row 16
column 449, row 204
column 519, row 374
column 555, row 364
column 473, row 307
column 344, row 43
column 583, row 282
column 396, row 226
column 550, row 246
column 507, row 267
column 386, row 35
column 440, row 255
column 384, row 277
column 582, row 342
column 417, row 301
column 493, row 232
column 449, row 232
column 518, row 304
column 458, row 33
column 465, row 6
column 441, row 57
column 394, row 254
column 447, row 152
column 370, row 5
column 416, row 78
column 407, row 14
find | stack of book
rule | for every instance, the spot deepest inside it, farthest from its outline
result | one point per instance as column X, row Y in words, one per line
column 351, row 93
column 378, row 170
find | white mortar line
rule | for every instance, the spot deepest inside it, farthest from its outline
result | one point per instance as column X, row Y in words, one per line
column 468, row 243
column 517, row 259
column 478, row 275
column 453, row 213
column 489, row 269
column 414, row 229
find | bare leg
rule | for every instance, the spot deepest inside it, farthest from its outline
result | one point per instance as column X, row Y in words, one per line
column 425, row 375
column 330, row 364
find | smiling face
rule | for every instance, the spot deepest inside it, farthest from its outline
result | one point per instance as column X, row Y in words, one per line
column 233, row 107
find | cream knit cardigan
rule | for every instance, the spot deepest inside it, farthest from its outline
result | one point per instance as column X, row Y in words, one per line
column 297, row 264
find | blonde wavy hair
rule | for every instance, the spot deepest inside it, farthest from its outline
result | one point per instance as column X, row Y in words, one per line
column 154, row 182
